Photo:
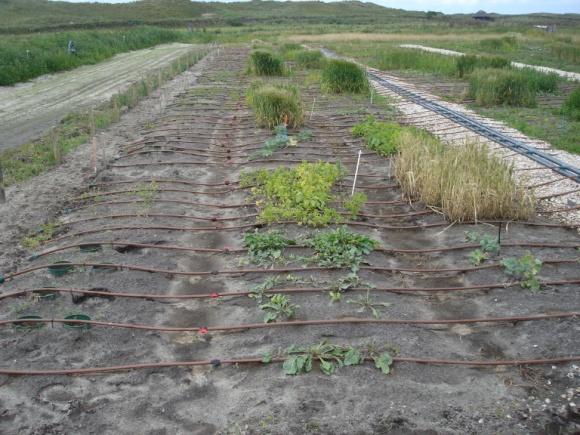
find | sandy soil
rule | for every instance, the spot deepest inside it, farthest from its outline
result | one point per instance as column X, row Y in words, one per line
column 204, row 137
column 27, row 110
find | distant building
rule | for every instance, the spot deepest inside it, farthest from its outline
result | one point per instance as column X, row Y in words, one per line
column 482, row 16
column 550, row 28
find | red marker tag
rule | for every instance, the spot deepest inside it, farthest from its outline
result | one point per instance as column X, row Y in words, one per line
column 215, row 295
column 203, row 330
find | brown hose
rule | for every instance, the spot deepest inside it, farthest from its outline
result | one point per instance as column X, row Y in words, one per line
column 168, row 364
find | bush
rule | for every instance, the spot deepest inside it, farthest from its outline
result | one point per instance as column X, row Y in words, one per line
column 275, row 105
column 339, row 76
column 464, row 183
column 311, row 59
column 465, row 65
column 491, row 87
column 265, row 63
column 381, row 137
column 571, row 107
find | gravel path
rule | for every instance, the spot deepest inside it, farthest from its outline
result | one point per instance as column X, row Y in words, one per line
column 567, row 74
column 29, row 109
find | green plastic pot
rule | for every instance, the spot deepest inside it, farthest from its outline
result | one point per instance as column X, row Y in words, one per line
column 81, row 326
column 60, row 268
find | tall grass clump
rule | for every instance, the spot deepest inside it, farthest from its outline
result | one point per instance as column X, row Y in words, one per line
column 571, row 106
column 264, row 63
column 274, row 105
column 23, row 57
column 341, row 76
column 505, row 43
column 409, row 59
column 491, row 87
column 466, row 184
column 309, row 59
column 539, row 81
column 465, row 65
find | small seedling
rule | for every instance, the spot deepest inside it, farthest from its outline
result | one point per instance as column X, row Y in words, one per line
column 354, row 204
column 477, row 257
column 46, row 233
column 489, row 245
column 278, row 306
column 525, row 269
column 367, row 304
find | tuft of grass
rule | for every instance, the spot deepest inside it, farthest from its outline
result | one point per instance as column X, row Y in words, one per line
column 264, row 63
column 465, row 65
column 505, row 43
column 490, row 87
column 466, row 184
column 309, row 59
column 340, row 76
column 378, row 136
column 275, row 105
column 571, row 106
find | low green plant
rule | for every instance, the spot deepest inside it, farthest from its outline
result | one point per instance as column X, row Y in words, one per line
column 488, row 245
column 366, row 303
column 477, row 257
column 275, row 105
column 340, row 248
column 330, row 357
column 355, row 203
column 302, row 193
column 341, row 76
column 505, row 43
column 525, row 269
column 278, row 305
column 46, row 233
column 380, row 137
column 264, row 63
column 266, row 248
column 571, row 106
column 279, row 141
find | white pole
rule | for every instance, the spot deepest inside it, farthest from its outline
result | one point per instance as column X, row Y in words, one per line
column 312, row 110
column 356, row 172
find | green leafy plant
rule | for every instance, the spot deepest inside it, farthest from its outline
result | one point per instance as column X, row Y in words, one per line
column 46, row 233
column 477, row 257
column 275, row 104
column 264, row 63
column 302, row 193
column 341, row 76
column 279, row 141
column 367, row 304
column 277, row 306
column 489, row 245
column 381, row 137
column 525, row 269
column 340, row 248
column 329, row 356
column 355, row 203
column 266, row 248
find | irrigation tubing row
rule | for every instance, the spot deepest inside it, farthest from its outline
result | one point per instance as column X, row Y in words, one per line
column 217, row 295
column 271, row 270
column 237, row 361
column 229, row 250
column 291, row 323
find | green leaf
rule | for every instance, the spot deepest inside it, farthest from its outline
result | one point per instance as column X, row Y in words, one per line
column 291, row 366
column 384, row 362
column 352, row 357
column 267, row 358
column 270, row 316
column 327, row 367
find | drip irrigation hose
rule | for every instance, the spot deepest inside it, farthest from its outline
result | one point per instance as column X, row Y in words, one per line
column 226, row 250
column 216, row 295
column 271, row 270
column 217, row 363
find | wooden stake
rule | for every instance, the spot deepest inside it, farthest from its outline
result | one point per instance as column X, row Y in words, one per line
column 2, row 192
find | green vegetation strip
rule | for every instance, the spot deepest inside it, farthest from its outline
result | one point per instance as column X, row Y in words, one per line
column 34, row 158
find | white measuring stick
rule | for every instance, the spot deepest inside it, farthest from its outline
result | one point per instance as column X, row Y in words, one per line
column 356, row 172
column 312, row 110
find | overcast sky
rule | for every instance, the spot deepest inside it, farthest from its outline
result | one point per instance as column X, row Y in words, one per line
column 459, row 6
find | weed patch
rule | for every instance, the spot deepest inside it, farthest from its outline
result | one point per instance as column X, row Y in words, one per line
column 525, row 269
column 571, row 107
column 381, row 137
column 266, row 248
column 309, row 59
column 264, row 63
column 466, row 64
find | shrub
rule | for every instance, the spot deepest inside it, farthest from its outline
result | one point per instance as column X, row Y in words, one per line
column 311, row 59
column 465, row 65
column 339, row 76
column 275, row 105
column 497, row 86
column 571, row 107
column 264, row 63
column 381, row 137
column 464, row 183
